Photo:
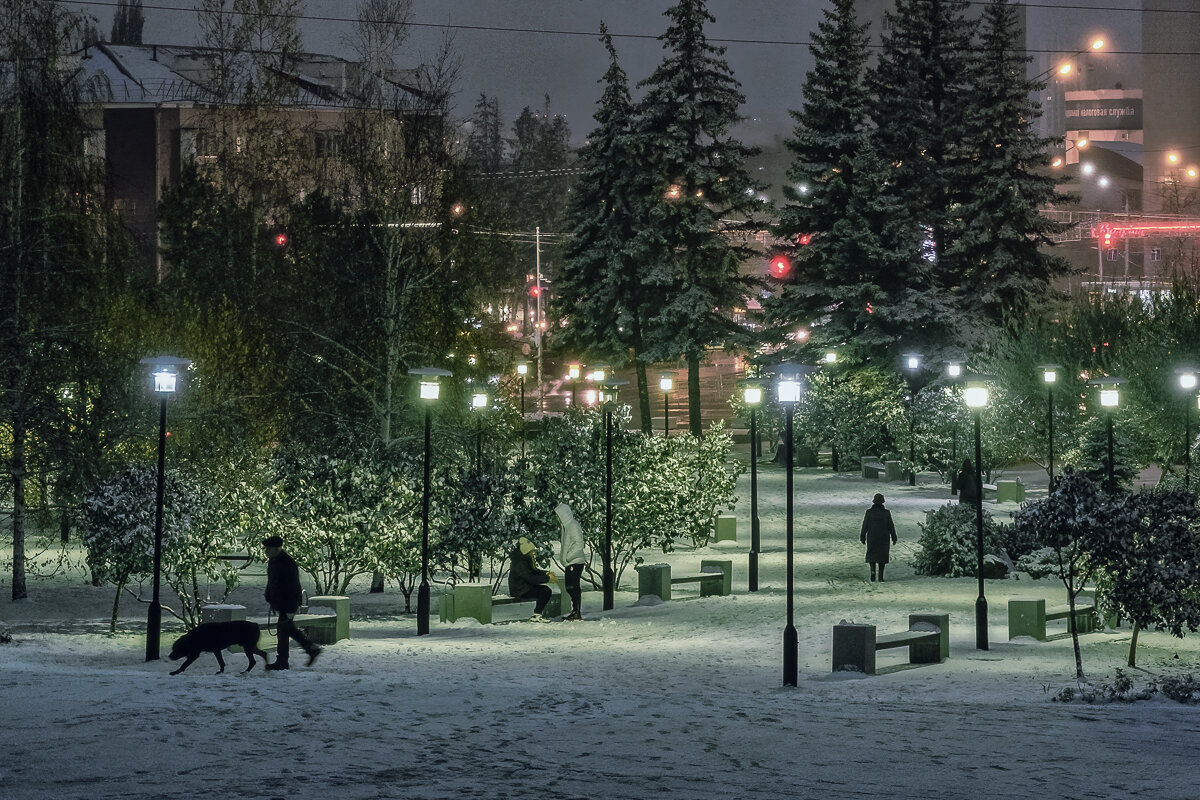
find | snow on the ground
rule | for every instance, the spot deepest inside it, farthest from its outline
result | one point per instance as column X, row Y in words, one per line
column 683, row 697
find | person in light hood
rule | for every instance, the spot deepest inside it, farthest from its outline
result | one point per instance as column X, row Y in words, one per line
column 573, row 557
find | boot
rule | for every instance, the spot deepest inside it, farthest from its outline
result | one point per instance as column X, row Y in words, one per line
column 277, row 665
column 312, row 656
column 574, row 616
column 872, row 573
column 881, row 573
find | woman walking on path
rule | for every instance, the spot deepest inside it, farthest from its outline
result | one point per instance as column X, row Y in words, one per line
column 572, row 556
column 878, row 534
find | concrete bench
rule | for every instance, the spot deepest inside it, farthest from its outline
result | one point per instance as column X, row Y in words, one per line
column 927, row 640
column 874, row 467
column 1027, row 616
column 725, row 528
column 475, row 600
column 715, row 578
column 326, row 620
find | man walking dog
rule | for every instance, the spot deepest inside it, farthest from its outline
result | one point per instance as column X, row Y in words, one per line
column 283, row 595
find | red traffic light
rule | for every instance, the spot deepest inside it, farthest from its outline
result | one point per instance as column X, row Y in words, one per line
column 281, row 240
column 535, row 290
column 804, row 238
column 780, row 267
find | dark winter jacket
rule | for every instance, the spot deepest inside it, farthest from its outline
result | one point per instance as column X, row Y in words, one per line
column 283, row 584
column 878, row 533
column 522, row 575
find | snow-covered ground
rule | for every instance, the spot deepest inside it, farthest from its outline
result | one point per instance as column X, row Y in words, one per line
column 684, row 697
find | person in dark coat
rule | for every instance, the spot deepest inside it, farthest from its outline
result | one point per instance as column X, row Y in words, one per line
column 526, row 580
column 968, row 489
column 284, row 595
column 878, row 534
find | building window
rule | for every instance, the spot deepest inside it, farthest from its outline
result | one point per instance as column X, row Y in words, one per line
column 94, row 143
column 1156, row 254
column 1112, row 255
column 327, row 144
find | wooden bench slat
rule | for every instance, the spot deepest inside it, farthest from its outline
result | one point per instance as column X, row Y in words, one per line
column 905, row 638
column 701, row 576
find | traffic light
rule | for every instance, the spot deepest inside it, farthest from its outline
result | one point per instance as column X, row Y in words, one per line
column 804, row 238
column 535, row 291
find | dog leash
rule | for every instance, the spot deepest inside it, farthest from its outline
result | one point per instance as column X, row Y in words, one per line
column 269, row 631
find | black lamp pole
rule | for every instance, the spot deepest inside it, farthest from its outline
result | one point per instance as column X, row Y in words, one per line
column 522, row 419
column 791, row 642
column 1111, row 482
column 1187, row 444
column 609, row 589
column 666, row 413
column 154, row 613
column 1050, row 430
column 754, row 529
column 981, row 607
column 423, row 589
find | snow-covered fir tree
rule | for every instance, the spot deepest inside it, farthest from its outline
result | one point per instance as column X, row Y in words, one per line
column 600, row 290
column 703, row 195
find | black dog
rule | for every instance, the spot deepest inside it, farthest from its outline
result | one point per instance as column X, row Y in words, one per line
column 213, row 637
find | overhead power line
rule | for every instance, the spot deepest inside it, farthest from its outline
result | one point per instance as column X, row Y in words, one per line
column 714, row 40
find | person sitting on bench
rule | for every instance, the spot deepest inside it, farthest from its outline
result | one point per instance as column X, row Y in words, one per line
column 527, row 581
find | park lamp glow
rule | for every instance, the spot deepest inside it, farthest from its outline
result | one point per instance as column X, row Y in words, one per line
column 599, row 374
column 479, row 400
column 1050, row 373
column 1187, row 378
column 666, row 382
column 976, row 394
column 164, row 373
column 573, row 371
column 830, row 357
column 522, row 368
column 912, row 361
column 787, row 386
column 609, row 391
column 954, row 369
column 752, row 394
column 1110, row 395
column 428, row 385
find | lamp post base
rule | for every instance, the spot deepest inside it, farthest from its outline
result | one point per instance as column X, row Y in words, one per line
column 423, row 608
column 981, row 624
column 791, row 656
column 153, row 627
column 753, row 571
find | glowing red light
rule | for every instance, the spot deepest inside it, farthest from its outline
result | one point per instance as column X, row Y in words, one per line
column 780, row 267
column 281, row 239
column 535, row 291
column 805, row 238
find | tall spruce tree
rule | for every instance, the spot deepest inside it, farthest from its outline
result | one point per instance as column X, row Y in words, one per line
column 128, row 22
column 848, row 275
column 600, row 289
column 1004, row 270
column 921, row 89
column 704, row 195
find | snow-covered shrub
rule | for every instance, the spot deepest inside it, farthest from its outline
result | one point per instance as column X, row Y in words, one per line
column 1180, row 688
column 947, row 545
column 118, row 525
column 1041, row 563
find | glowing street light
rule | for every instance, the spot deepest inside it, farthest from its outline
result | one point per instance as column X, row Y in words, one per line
column 1110, row 399
column 428, row 389
column 912, row 367
column 787, row 391
column 1050, row 377
column 976, row 398
column 1187, row 382
column 666, row 382
column 164, row 378
column 752, row 397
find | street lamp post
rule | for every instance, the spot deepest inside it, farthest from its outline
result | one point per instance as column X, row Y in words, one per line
column 1187, row 382
column 666, row 382
column 429, row 389
column 609, row 400
column 1050, row 377
column 522, row 371
column 912, row 364
column 752, row 396
column 1110, row 399
column 954, row 372
column 788, row 393
column 479, row 403
column 976, row 397
column 164, row 380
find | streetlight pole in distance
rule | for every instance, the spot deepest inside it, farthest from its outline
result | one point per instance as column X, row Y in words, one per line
column 666, row 382
column 1050, row 374
column 976, row 397
column 608, row 398
column 912, row 365
column 164, row 373
column 1187, row 382
column 573, row 376
column 429, row 389
column 954, row 372
column 752, row 397
column 522, row 371
column 479, row 403
column 788, row 393
column 1110, row 399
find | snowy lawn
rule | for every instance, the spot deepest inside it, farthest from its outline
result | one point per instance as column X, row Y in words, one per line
column 682, row 697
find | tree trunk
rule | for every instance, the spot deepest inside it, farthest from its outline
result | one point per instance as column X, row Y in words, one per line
column 1133, row 646
column 643, row 396
column 17, row 473
column 1071, row 626
column 695, row 424
column 112, row 623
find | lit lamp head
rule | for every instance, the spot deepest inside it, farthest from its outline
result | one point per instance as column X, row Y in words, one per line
column 752, row 394
column 976, row 394
column 599, row 374
column 787, row 386
column 479, row 400
column 954, row 369
column 912, row 361
column 1050, row 373
column 164, row 373
column 1110, row 394
column 573, row 371
column 428, row 384
column 1187, row 378
column 522, row 368
column 609, row 391
column 830, row 357
column 666, row 381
